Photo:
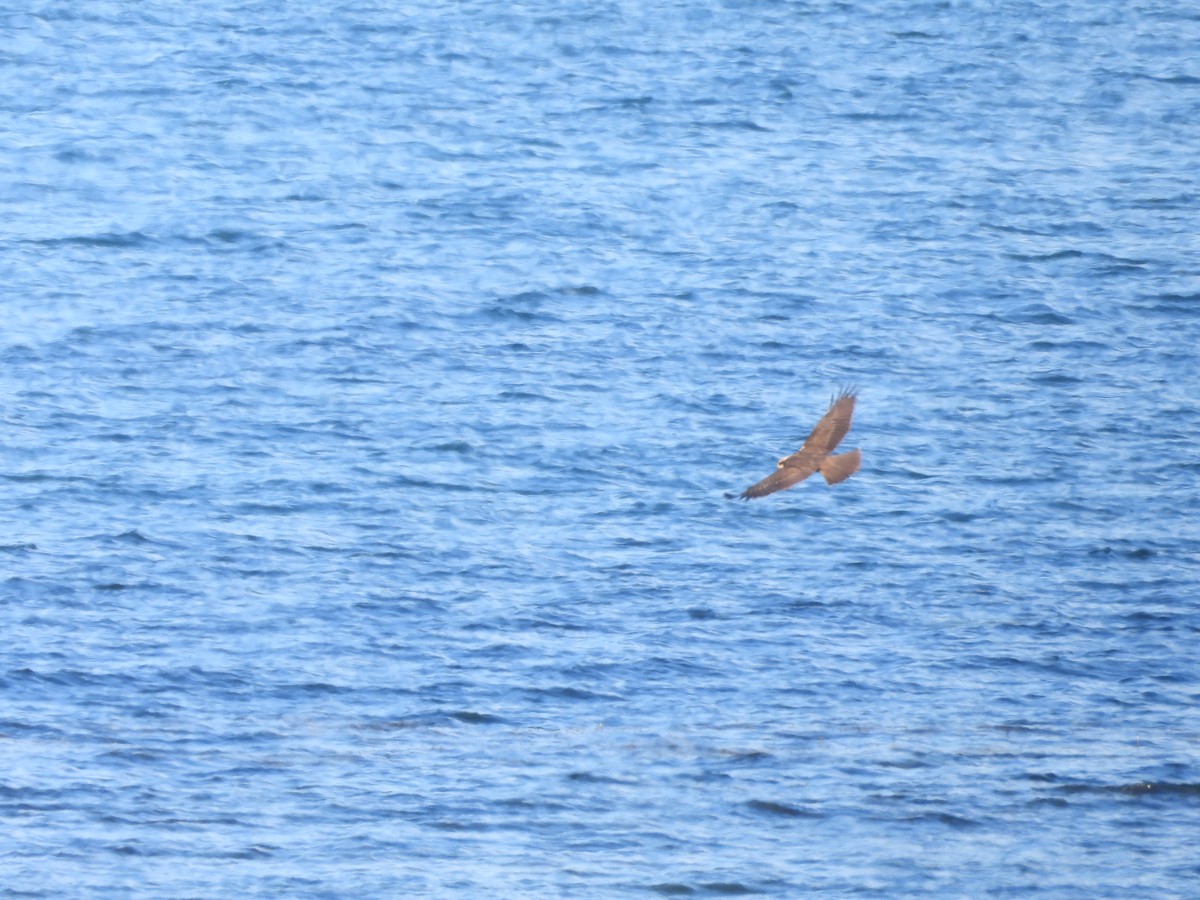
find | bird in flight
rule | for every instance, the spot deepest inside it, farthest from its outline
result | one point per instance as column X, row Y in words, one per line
column 817, row 453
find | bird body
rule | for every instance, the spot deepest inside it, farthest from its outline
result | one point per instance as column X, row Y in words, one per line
column 816, row 454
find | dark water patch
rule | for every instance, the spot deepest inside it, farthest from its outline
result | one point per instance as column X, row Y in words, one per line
column 660, row 543
column 749, row 757
column 69, row 678
column 915, row 474
column 734, row 124
column 407, row 481
column 199, row 678
column 526, row 307
column 135, row 755
column 579, row 290
column 257, row 852
column 1076, row 346
column 521, row 396
column 1110, row 267
column 1171, row 304
column 415, row 723
column 771, row 808
column 266, row 509
column 1054, row 803
column 1185, row 80
column 941, row 818
column 869, row 117
column 1050, row 256
column 462, row 447
column 306, row 197
column 1007, row 228
column 906, row 764
column 468, row 717
column 550, row 695
column 1055, row 379
column 782, row 208
column 1037, row 314
column 579, row 777
column 1166, row 789
column 315, row 688
column 1187, row 791
column 1019, row 728
column 1128, row 552
column 133, row 537
column 729, row 888
column 1143, row 618
column 244, row 239
column 551, row 623
column 105, row 240
column 962, row 516
column 1158, row 203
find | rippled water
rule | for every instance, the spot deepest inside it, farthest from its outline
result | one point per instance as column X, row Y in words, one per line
column 375, row 383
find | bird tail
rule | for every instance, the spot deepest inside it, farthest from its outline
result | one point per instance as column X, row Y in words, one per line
column 837, row 469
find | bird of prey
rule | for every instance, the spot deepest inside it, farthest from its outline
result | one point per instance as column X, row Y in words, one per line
column 817, row 453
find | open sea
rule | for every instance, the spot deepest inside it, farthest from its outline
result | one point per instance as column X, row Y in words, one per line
column 377, row 380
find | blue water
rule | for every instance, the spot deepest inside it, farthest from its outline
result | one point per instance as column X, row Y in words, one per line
column 375, row 381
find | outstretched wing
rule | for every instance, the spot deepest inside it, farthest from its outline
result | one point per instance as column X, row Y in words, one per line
column 833, row 425
column 778, row 480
